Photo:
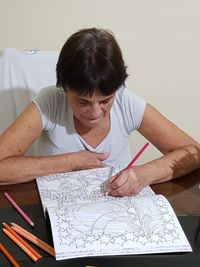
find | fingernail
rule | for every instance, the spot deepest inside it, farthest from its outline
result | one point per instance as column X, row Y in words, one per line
column 102, row 164
column 107, row 192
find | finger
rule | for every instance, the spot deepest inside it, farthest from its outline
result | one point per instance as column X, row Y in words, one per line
column 111, row 179
column 118, row 181
column 121, row 191
column 102, row 156
column 102, row 164
column 117, row 189
column 109, row 182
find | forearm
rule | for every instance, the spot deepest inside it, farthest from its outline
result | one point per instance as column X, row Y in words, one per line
column 23, row 168
column 173, row 165
column 19, row 169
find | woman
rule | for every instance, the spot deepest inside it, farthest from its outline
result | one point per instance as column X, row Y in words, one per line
column 86, row 120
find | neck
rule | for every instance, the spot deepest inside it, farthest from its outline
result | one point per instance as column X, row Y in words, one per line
column 83, row 129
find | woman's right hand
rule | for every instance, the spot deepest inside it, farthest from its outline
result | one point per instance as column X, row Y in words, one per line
column 87, row 160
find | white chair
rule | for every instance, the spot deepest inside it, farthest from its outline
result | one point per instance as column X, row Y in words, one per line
column 22, row 74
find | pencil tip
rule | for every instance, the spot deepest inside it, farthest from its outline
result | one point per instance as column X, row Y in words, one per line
column 32, row 224
column 107, row 193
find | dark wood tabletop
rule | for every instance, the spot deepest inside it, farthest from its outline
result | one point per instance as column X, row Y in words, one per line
column 182, row 193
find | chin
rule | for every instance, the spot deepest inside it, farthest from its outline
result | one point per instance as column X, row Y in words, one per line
column 92, row 123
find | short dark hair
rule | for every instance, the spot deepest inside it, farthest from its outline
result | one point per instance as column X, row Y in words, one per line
column 91, row 60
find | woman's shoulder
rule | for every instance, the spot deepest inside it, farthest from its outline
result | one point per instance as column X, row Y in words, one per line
column 50, row 94
column 129, row 107
column 51, row 91
column 125, row 95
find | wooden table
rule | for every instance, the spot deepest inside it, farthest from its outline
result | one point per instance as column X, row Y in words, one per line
column 182, row 193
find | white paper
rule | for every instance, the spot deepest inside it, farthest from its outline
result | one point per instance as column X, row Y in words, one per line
column 86, row 222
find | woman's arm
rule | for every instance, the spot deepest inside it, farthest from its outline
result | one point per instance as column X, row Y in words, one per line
column 181, row 156
column 16, row 168
column 181, row 152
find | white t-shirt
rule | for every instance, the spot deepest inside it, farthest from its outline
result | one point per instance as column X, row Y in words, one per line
column 59, row 133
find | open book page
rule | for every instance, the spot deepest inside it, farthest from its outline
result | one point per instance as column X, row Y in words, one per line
column 86, row 222
column 58, row 189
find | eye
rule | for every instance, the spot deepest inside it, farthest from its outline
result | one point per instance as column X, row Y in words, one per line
column 82, row 103
column 106, row 100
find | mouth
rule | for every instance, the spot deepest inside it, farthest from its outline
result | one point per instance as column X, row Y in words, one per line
column 93, row 119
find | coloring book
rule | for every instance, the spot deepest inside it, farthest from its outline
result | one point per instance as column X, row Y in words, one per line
column 86, row 222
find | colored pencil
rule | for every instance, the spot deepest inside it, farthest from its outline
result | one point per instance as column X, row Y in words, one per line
column 132, row 161
column 18, row 209
column 110, row 175
column 137, row 156
column 37, row 255
column 16, row 241
column 8, row 256
column 35, row 240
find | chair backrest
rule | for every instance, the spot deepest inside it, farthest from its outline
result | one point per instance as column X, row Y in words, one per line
column 22, row 74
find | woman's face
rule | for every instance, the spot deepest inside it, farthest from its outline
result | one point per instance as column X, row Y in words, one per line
column 90, row 111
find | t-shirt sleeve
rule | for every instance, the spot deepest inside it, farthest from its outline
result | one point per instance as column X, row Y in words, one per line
column 46, row 103
column 133, row 107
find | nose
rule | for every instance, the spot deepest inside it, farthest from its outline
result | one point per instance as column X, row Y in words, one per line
column 95, row 110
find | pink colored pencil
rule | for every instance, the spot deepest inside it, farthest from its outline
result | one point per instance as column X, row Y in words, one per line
column 18, row 209
column 137, row 156
column 133, row 161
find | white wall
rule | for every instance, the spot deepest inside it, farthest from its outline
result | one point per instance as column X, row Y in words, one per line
column 160, row 41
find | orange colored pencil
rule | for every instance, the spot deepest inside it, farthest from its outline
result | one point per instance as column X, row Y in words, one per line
column 9, row 256
column 35, row 240
column 37, row 255
column 16, row 241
